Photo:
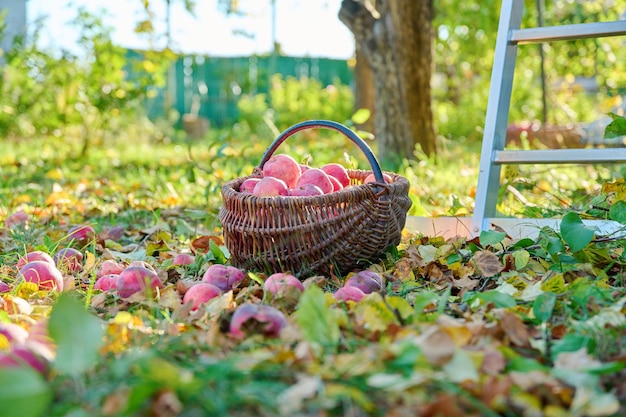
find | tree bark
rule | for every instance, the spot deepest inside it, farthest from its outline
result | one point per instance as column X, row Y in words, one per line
column 396, row 38
column 364, row 97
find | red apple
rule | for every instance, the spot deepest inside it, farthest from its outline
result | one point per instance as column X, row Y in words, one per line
column 4, row 287
column 81, row 234
column 106, row 282
column 223, row 277
column 304, row 167
column 201, row 293
column 109, row 267
column 339, row 172
column 270, row 186
column 283, row 167
column 34, row 256
column 349, row 294
column 336, row 184
column 44, row 274
column 305, row 190
column 256, row 318
column 372, row 178
column 23, row 356
column 69, row 259
column 183, row 259
column 143, row 264
column 17, row 219
column 14, row 333
column 366, row 281
column 135, row 279
column 247, row 186
column 281, row 282
column 317, row 177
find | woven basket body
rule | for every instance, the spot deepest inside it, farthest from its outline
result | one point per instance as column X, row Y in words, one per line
column 339, row 231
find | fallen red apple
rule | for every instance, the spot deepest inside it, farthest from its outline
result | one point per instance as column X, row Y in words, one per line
column 4, row 287
column 280, row 282
column 284, row 167
column 36, row 255
column 247, row 186
column 143, row 264
column 337, row 171
column 223, row 277
column 136, row 279
column 183, row 259
column 81, row 235
column 44, row 274
column 349, row 294
column 17, row 219
column 69, row 260
column 23, row 356
column 270, row 186
column 317, row 177
column 200, row 293
column 14, row 333
column 366, row 281
column 106, row 282
column 109, row 267
column 257, row 319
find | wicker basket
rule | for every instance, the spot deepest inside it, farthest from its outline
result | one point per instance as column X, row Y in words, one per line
column 340, row 231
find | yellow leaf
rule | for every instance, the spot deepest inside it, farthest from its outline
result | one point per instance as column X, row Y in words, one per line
column 554, row 283
column 55, row 174
column 90, row 261
column 617, row 187
column 27, row 289
column 341, row 391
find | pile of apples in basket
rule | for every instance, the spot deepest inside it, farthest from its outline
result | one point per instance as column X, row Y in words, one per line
column 284, row 176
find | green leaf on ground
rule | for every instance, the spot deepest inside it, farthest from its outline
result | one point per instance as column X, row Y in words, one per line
column 491, row 237
column 575, row 233
column 77, row 334
column 617, row 212
column 317, row 321
column 544, row 306
column 24, row 393
column 616, row 128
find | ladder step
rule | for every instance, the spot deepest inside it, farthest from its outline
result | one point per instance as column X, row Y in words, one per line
column 560, row 156
column 568, row 32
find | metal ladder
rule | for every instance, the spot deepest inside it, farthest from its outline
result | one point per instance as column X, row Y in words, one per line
column 493, row 155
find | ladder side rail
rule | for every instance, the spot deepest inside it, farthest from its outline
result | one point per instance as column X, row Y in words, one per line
column 498, row 105
column 561, row 156
column 569, row 32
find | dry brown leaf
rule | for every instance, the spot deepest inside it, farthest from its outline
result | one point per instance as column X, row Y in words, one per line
column 202, row 244
column 493, row 362
column 487, row 263
column 436, row 345
column 515, row 329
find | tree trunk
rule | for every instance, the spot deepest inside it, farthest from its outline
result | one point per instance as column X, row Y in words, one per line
column 364, row 97
column 396, row 37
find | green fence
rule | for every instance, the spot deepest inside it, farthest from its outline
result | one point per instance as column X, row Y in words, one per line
column 211, row 86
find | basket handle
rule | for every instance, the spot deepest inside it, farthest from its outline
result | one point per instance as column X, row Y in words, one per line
column 327, row 124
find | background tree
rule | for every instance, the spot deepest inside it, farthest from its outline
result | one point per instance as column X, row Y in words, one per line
column 396, row 37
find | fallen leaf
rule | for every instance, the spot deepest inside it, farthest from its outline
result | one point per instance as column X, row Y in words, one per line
column 488, row 263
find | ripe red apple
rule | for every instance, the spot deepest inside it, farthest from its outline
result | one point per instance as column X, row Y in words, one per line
column 270, row 186
column 366, row 281
column 305, row 190
column 257, row 318
column 371, row 178
column 36, row 255
column 247, row 186
column 69, row 260
column 349, row 294
column 17, row 219
column 201, row 293
column 223, row 277
column 304, row 167
column 106, row 282
column 135, row 279
column 23, row 356
column 4, row 287
column 339, row 172
column 44, row 274
column 143, row 264
column 183, row 259
column 81, row 235
column 336, row 184
column 14, row 333
column 281, row 282
column 317, row 177
column 283, row 167
column 109, row 267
